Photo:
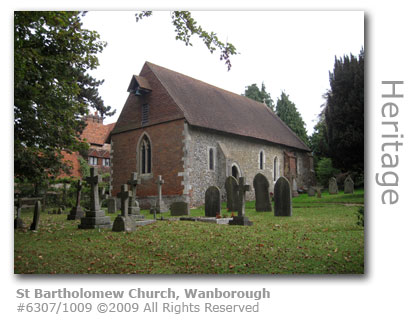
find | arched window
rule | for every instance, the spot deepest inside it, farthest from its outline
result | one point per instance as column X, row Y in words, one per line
column 145, row 156
column 275, row 170
column 235, row 171
column 211, row 159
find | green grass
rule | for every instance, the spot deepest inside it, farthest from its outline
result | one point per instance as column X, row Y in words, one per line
column 321, row 237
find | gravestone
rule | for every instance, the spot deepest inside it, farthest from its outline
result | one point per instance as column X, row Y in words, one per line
column 160, row 205
column 76, row 211
column 36, row 217
column 261, row 189
column 111, row 202
column 318, row 192
column 332, row 186
column 311, row 191
column 212, row 201
column 123, row 222
column 18, row 222
column 348, row 185
column 94, row 217
column 133, row 208
column 231, row 186
column 282, row 198
column 179, row 208
column 241, row 219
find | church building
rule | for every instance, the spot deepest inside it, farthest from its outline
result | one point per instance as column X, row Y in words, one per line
column 195, row 135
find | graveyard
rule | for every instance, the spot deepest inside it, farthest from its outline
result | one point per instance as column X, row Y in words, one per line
column 320, row 237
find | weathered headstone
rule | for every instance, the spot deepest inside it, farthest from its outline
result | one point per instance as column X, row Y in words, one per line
column 76, row 211
column 94, row 217
column 18, row 222
column 36, row 217
column 212, row 201
column 133, row 204
column 282, row 198
column 311, row 191
column 318, row 192
column 111, row 202
column 160, row 205
column 231, row 186
column 179, row 208
column 348, row 185
column 261, row 189
column 241, row 219
column 123, row 222
column 332, row 186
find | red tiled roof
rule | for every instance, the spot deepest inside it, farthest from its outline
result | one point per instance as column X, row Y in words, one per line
column 210, row 107
column 96, row 133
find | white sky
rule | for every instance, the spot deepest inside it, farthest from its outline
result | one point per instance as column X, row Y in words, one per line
column 288, row 50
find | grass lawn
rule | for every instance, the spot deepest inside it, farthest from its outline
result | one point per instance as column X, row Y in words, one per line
column 321, row 237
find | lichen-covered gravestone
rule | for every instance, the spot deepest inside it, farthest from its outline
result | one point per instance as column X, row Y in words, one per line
column 94, row 217
column 76, row 211
column 179, row 208
column 123, row 222
column 133, row 205
column 348, row 185
column 231, row 186
column 212, row 201
column 36, row 217
column 282, row 198
column 311, row 191
column 241, row 219
column 261, row 189
column 332, row 186
column 160, row 205
column 111, row 203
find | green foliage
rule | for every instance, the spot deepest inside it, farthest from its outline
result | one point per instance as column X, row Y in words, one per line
column 361, row 216
column 288, row 112
column 52, row 91
column 318, row 140
column 84, row 167
column 344, row 113
column 253, row 92
column 186, row 27
column 325, row 171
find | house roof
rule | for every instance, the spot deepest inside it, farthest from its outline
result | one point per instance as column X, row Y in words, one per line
column 207, row 106
column 96, row 133
column 203, row 105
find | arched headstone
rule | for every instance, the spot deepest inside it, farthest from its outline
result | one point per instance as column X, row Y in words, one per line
column 282, row 198
column 212, row 201
column 232, row 188
column 261, row 189
column 332, row 186
column 349, row 185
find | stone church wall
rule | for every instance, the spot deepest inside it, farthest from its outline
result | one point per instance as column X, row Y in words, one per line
column 233, row 150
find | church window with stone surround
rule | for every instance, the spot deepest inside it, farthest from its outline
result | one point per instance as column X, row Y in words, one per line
column 145, row 156
column 211, row 159
column 275, row 169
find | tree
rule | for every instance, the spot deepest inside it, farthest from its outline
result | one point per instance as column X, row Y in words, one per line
column 186, row 27
column 52, row 91
column 287, row 112
column 344, row 113
column 318, row 140
column 253, row 92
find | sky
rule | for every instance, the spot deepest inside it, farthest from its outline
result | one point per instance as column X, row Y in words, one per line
column 290, row 51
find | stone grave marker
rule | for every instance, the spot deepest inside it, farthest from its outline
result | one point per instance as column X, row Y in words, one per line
column 18, row 222
column 36, row 217
column 123, row 222
column 348, row 185
column 231, row 186
column 212, row 201
column 111, row 202
column 311, row 191
column 134, row 208
column 282, row 198
column 179, row 208
column 318, row 192
column 332, row 186
column 241, row 219
column 76, row 211
column 261, row 189
column 94, row 217
column 160, row 205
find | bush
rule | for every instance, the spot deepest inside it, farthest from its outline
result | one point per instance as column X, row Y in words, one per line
column 325, row 171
